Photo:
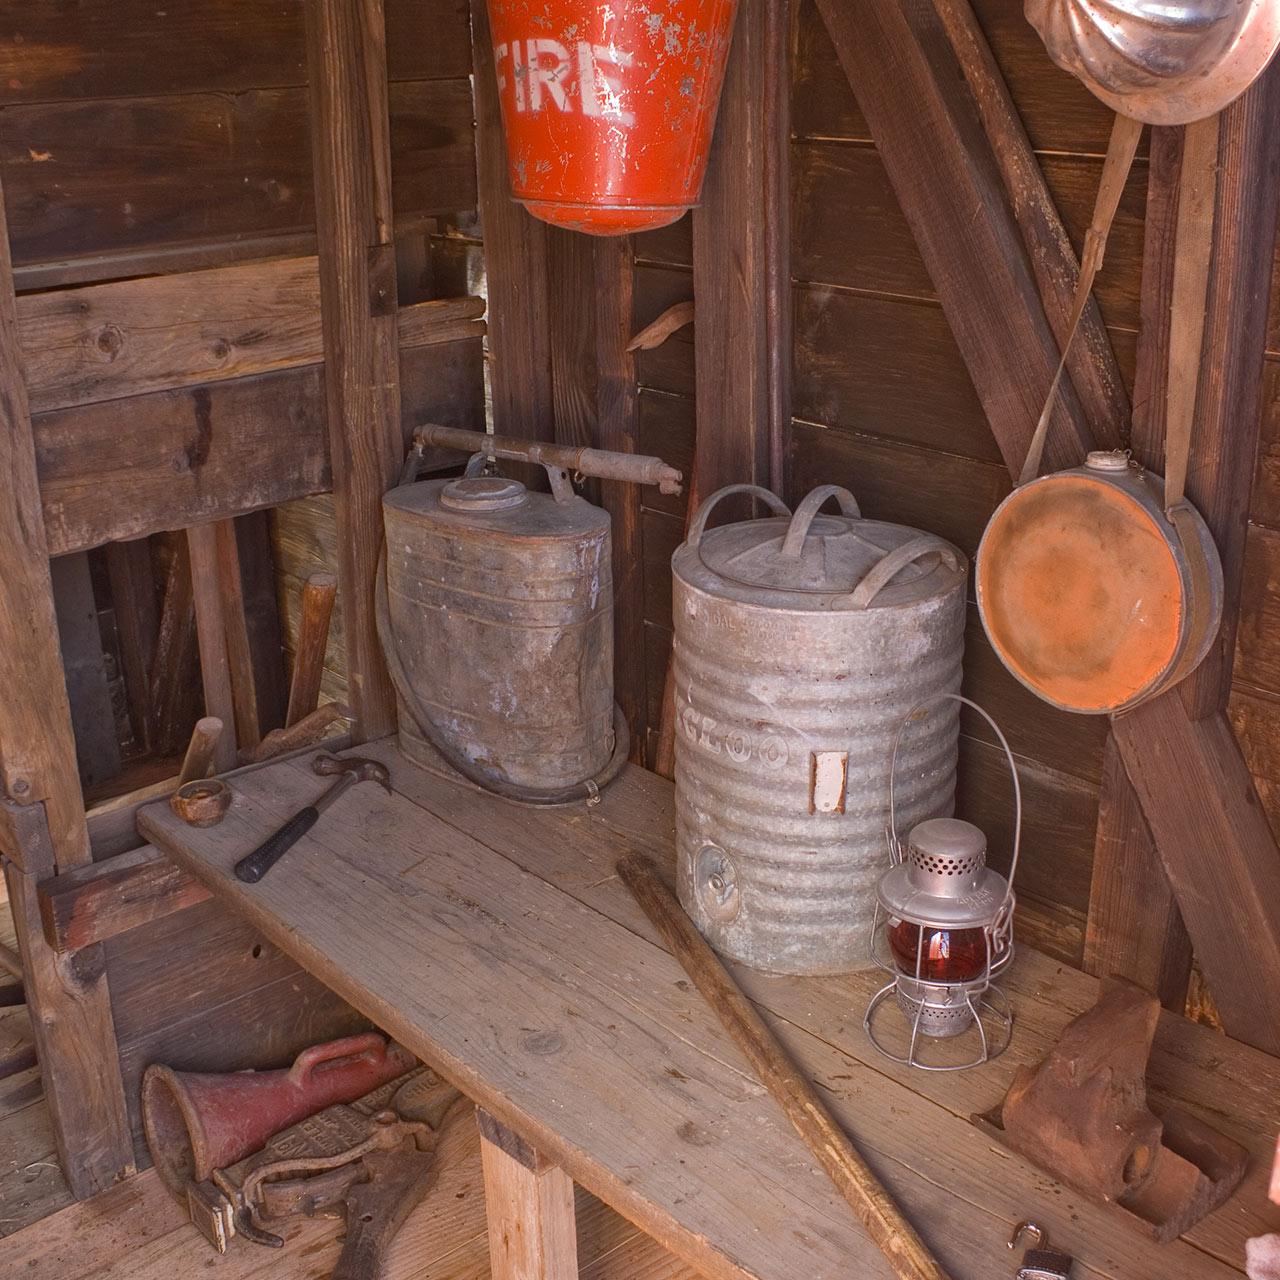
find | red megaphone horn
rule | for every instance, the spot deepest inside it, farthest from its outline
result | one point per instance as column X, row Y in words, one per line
column 197, row 1122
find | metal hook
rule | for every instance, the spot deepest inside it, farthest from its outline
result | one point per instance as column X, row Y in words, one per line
column 1032, row 1229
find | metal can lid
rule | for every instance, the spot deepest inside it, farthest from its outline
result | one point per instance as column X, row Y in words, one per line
column 483, row 493
column 1107, row 460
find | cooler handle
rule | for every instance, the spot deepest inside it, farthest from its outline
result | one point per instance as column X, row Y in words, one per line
column 793, row 543
column 770, row 499
column 888, row 568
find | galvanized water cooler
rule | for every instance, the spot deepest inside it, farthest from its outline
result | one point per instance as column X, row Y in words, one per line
column 801, row 643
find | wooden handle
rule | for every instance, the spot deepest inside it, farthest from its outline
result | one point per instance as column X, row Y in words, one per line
column 830, row 1145
column 200, row 750
column 318, row 726
column 318, row 596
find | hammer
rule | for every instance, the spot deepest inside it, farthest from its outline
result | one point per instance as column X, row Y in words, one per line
column 252, row 868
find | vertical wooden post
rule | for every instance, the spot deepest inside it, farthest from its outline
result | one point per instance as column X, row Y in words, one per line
column 215, row 667
column 618, row 428
column 45, row 830
column 529, row 1207
column 351, row 155
column 133, row 594
column 1135, row 927
column 741, row 263
column 515, row 250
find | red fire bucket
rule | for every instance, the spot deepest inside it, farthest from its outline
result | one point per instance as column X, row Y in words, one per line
column 609, row 107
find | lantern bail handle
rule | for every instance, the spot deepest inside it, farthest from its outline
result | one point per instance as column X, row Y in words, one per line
column 895, row 848
column 798, row 530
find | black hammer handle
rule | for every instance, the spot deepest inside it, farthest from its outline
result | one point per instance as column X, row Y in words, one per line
column 254, row 866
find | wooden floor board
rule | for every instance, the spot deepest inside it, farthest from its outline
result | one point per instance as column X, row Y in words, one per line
column 543, row 984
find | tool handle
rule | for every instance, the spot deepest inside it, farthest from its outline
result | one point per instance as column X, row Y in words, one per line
column 252, row 868
column 908, row 1255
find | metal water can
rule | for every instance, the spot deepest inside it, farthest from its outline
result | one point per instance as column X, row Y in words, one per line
column 501, row 609
column 801, row 643
column 609, row 108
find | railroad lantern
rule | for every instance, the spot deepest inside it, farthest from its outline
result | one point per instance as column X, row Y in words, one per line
column 608, row 108
column 943, row 929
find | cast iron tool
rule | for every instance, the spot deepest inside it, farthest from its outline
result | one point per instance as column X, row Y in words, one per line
column 352, row 769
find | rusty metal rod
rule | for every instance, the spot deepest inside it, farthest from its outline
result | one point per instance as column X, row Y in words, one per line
column 632, row 468
column 896, row 1238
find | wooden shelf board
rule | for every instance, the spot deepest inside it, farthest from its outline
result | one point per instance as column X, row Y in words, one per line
column 495, row 942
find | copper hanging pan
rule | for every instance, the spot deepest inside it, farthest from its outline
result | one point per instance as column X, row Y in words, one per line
column 1100, row 587
column 1162, row 61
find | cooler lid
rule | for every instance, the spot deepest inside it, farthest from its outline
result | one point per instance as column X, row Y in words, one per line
column 839, row 561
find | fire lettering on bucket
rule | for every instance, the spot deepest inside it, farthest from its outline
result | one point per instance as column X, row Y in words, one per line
column 582, row 77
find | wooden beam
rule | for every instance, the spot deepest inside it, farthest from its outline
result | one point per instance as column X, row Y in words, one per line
column 927, row 130
column 133, row 597
column 169, row 459
column 618, row 428
column 515, row 250
column 1218, row 852
column 528, row 1206
column 347, row 73
column 1228, row 404
column 84, row 665
column 1143, row 903
column 1092, row 363
column 318, row 595
column 75, row 1038
column 105, row 899
column 741, row 263
column 102, row 342
column 247, row 729
column 1134, row 928
column 211, row 630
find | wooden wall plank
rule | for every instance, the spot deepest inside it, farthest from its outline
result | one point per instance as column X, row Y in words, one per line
column 346, row 59
column 1060, row 114
column 103, row 342
column 618, row 427
column 83, row 662
column 941, row 166
column 52, row 52
column 96, row 177
column 515, row 249
column 850, row 228
column 741, row 263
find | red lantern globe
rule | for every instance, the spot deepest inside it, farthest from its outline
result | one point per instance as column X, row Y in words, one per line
column 943, row 928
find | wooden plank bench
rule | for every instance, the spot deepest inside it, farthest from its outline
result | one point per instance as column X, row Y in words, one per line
column 496, row 943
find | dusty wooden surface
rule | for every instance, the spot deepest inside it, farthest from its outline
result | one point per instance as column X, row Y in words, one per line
column 496, row 942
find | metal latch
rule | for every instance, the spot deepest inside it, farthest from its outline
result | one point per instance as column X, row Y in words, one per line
column 1040, row 1262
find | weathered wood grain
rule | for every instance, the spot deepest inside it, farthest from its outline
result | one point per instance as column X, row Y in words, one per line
column 515, row 251
column 741, row 264
column 96, row 49
column 350, row 138
column 946, row 179
column 913, row 1127
column 529, row 1212
column 113, row 176
column 100, row 901
column 132, row 337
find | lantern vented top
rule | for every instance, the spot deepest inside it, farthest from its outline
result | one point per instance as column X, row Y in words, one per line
column 944, row 880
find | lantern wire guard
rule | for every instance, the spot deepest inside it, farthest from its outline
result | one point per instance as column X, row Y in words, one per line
column 958, row 895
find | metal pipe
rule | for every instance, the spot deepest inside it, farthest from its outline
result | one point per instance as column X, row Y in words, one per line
column 630, row 468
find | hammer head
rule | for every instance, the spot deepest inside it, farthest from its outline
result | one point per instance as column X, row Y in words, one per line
column 363, row 770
